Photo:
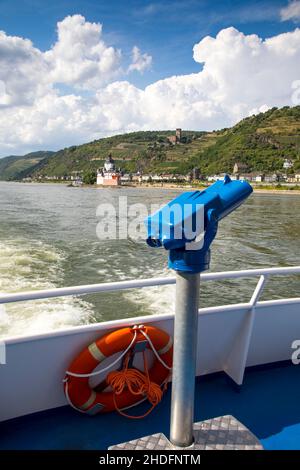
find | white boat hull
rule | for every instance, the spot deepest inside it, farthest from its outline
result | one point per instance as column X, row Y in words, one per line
column 31, row 380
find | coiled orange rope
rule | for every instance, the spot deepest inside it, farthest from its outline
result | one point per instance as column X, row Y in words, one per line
column 137, row 383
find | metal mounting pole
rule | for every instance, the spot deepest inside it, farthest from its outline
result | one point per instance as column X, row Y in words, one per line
column 184, row 359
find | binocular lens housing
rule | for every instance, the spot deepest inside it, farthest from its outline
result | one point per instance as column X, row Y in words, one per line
column 191, row 215
column 154, row 242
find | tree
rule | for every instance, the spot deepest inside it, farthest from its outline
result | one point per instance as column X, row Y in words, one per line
column 89, row 177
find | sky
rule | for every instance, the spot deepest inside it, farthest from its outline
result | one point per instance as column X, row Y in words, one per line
column 72, row 71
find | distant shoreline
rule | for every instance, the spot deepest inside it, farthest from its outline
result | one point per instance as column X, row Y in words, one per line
column 188, row 187
column 296, row 192
column 201, row 188
column 257, row 190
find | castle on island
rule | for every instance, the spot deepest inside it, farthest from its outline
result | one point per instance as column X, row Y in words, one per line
column 108, row 175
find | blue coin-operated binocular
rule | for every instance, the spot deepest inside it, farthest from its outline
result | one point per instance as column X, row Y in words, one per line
column 187, row 225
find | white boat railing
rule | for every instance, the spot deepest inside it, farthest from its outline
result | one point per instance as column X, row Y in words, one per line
column 264, row 274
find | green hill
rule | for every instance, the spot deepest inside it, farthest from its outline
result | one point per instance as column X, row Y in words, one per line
column 146, row 151
column 261, row 141
column 13, row 166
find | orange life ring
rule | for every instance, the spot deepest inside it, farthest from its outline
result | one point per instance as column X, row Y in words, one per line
column 77, row 388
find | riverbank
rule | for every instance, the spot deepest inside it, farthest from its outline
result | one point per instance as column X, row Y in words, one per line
column 263, row 190
column 295, row 192
column 282, row 189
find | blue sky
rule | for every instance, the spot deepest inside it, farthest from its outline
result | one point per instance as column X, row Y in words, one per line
column 72, row 71
column 167, row 30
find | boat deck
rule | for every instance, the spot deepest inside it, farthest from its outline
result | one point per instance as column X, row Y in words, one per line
column 267, row 403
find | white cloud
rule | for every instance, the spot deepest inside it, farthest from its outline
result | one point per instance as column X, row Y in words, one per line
column 291, row 11
column 140, row 62
column 246, row 72
column 4, row 97
column 23, row 72
column 241, row 74
column 80, row 57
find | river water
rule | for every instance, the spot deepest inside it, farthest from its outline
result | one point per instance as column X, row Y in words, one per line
column 48, row 239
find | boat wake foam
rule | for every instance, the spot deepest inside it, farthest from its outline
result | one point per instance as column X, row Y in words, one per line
column 32, row 265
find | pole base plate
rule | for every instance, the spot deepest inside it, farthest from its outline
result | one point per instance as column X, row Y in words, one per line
column 222, row 433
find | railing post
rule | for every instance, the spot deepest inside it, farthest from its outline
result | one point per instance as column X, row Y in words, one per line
column 258, row 290
column 237, row 359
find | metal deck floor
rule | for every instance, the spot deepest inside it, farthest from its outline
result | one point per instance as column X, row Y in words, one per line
column 268, row 404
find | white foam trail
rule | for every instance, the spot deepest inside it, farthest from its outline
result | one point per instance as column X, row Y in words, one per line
column 156, row 300
column 32, row 265
column 151, row 300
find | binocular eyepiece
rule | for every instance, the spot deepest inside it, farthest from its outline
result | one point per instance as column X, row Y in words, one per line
column 187, row 225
